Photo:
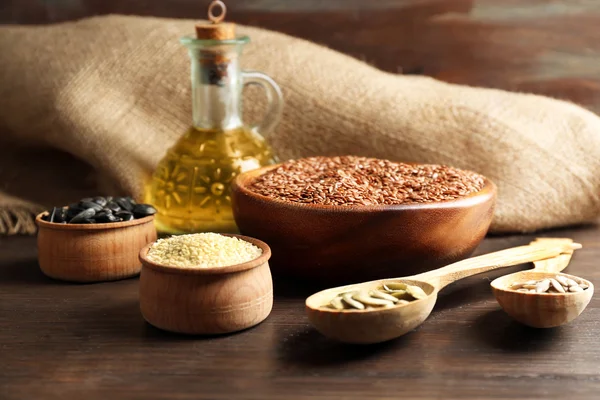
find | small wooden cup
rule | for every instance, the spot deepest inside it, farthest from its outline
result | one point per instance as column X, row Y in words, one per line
column 92, row 252
column 212, row 300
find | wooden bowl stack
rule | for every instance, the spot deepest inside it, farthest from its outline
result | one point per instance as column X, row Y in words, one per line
column 93, row 252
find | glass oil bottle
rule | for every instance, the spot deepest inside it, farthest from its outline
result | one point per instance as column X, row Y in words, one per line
column 190, row 186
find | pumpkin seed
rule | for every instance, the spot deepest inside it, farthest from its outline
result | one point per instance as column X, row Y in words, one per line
column 347, row 297
column 394, row 286
column 364, row 298
column 336, row 303
column 380, row 295
column 387, row 295
column 416, row 292
column 401, row 294
column 575, row 289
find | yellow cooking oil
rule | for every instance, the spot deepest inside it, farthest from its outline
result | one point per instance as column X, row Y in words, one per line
column 190, row 187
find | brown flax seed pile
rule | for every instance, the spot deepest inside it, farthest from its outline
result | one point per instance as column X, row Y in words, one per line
column 352, row 180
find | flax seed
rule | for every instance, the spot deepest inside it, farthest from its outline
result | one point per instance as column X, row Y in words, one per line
column 356, row 181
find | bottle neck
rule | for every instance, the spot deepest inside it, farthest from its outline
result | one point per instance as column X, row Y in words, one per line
column 216, row 91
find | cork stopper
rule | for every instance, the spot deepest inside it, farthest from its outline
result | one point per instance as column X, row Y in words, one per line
column 215, row 30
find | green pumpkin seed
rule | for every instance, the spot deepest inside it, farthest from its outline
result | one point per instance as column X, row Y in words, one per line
column 394, row 286
column 336, row 303
column 402, row 295
column 364, row 298
column 380, row 295
column 416, row 292
column 347, row 297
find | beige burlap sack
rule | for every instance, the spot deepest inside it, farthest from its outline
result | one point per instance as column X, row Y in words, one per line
column 87, row 107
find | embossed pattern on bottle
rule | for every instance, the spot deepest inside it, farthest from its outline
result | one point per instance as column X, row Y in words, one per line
column 190, row 187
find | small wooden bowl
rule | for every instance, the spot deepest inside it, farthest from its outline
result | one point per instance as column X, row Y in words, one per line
column 92, row 252
column 537, row 310
column 213, row 300
column 338, row 245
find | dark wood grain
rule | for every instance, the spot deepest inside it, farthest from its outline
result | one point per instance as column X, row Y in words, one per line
column 68, row 341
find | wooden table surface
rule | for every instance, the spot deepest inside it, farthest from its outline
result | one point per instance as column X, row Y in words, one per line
column 70, row 341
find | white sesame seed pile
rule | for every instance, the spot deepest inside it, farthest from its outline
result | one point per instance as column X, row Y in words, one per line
column 202, row 250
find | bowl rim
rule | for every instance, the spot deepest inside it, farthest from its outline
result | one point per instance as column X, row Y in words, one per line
column 87, row 227
column 260, row 260
column 486, row 193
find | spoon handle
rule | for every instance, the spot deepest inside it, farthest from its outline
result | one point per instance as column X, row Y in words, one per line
column 534, row 251
column 554, row 264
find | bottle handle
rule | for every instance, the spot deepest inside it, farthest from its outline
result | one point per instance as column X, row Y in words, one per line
column 274, row 100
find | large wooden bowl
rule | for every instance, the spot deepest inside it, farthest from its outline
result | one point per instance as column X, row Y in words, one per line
column 335, row 244
column 92, row 252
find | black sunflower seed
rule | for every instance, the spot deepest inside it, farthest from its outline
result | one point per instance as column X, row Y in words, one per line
column 124, row 203
column 113, row 206
column 143, row 210
column 90, row 204
column 100, row 200
column 104, row 218
column 59, row 215
column 114, row 218
column 83, row 216
column 73, row 210
column 125, row 215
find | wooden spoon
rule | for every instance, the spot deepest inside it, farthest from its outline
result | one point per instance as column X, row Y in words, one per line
column 379, row 324
column 545, row 310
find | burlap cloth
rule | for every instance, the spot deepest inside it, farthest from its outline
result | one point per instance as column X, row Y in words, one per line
column 87, row 107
